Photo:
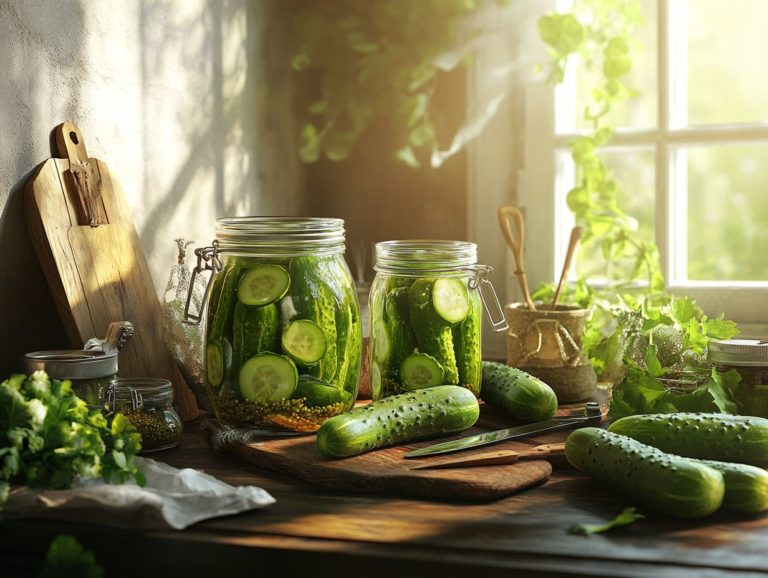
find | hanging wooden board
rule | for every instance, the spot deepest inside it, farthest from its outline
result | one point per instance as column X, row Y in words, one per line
column 90, row 252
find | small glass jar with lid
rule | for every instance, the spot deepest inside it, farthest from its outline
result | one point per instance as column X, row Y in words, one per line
column 92, row 373
column 283, row 336
column 148, row 404
column 750, row 358
column 426, row 317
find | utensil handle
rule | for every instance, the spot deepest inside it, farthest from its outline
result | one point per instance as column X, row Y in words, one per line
column 516, row 244
column 576, row 233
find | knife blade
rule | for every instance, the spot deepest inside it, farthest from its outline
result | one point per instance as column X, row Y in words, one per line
column 592, row 413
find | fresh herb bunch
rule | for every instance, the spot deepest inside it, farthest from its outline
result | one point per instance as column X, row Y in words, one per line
column 66, row 558
column 49, row 437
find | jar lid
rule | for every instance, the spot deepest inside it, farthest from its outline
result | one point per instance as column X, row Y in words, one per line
column 72, row 364
column 139, row 391
column 741, row 352
column 280, row 235
column 424, row 255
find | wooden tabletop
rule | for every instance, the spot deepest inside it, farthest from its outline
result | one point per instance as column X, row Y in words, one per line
column 314, row 532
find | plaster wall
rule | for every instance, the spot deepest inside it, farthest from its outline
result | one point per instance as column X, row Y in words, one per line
column 177, row 96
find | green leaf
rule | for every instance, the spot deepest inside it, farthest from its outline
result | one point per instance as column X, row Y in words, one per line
column 722, row 386
column 626, row 517
column 652, row 363
column 66, row 558
column 309, row 152
column 406, row 155
column 721, row 328
column 682, row 310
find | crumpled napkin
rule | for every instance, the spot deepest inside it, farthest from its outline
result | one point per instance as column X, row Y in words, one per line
column 172, row 498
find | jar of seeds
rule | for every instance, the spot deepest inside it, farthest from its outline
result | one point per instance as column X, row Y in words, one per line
column 148, row 404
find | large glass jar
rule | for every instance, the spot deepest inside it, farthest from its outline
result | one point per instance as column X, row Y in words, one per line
column 750, row 358
column 283, row 333
column 426, row 307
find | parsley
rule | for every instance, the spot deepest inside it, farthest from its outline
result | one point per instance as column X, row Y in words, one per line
column 49, row 437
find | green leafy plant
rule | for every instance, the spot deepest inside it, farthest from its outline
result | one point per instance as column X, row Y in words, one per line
column 49, row 437
column 66, row 558
column 626, row 517
column 373, row 62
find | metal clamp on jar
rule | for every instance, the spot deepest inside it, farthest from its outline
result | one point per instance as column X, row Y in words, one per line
column 426, row 316
column 92, row 370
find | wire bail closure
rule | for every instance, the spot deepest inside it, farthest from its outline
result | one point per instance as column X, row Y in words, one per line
column 207, row 260
column 490, row 300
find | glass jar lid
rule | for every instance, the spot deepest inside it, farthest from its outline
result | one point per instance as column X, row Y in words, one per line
column 402, row 256
column 72, row 364
column 280, row 236
column 742, row 352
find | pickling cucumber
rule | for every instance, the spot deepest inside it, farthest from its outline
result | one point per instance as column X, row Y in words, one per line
column 263, row 284
column 304, row 341
column 382, row 342
column 319, row 394
column 220, row 317
column 402, row 339
column 712, row 436
column 467, row 347
column 433, row 333
column 419, row 371
column 450, row 299
column 398, row 419
column 268, row 377
column 215, row 363
column 657, row 480
column 255, row 331
column 746, row 487
column 521, row 395
column 314, row 299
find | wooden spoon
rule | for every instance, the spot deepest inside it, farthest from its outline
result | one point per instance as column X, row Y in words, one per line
column 576, row 233
column 507, row 214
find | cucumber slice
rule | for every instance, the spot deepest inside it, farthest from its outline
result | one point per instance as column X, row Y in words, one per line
column 268, row 377
column 304, row 341
column 451, row 299
column 382, row 344
column 318, row 394
column 376, row 381
column 263, row 284
column 214, row 364
column 419, row 371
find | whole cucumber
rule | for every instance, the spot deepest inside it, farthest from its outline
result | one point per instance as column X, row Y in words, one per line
column 398, row 419
column 670, row 484
column 521, row 395
column 711, row 436
column 466, row 345
column 746, row 487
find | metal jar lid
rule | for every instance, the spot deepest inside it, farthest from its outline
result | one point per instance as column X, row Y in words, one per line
column 72, row 364
column 741, row 352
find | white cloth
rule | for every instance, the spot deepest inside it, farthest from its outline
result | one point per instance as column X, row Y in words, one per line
column 172, row 498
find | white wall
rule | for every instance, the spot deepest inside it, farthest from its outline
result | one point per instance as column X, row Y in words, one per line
column 188, row 102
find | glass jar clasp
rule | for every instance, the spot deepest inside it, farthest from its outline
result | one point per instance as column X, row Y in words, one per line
column 490, row 300
column 207, row 260
column 137, row 401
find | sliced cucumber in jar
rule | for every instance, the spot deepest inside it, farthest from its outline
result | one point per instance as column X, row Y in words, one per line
column 451, row 299
column 214, row 364
column 376, row 381
column 419, row 371
column 263, row 284
column 268, row 377
column 318, row 394
column 382, row 343
column 304, row 341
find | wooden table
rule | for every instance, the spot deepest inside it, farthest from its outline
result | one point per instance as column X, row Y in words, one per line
column 311, row 532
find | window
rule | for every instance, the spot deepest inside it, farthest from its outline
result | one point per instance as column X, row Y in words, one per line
column 691, row 154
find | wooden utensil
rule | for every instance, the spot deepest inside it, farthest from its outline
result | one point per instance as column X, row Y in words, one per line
column 503, row 457
column 85, row 239
column 576, row 233
column 506, row 215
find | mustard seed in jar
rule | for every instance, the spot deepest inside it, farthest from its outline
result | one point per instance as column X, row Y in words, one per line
column 749, row 357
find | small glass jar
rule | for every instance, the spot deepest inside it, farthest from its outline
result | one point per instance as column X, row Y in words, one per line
column 92, row 373
column 426, row 307
column 750, row 358
column 148, row 404
column 283, row 336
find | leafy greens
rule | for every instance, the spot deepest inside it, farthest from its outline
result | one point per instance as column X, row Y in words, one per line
column 626, row 517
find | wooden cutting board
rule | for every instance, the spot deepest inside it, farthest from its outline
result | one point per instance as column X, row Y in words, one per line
column 384, row 471
column 90, row 252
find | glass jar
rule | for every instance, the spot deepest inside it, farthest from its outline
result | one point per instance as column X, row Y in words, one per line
column 750, row 358
column 148, row 404
column 283, row 333
column 92, row 373
column 426, row 316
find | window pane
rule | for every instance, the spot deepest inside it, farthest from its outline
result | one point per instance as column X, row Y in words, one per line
column 634, row 172
column 727, row 43
column 637, row 112
column 728, row 213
